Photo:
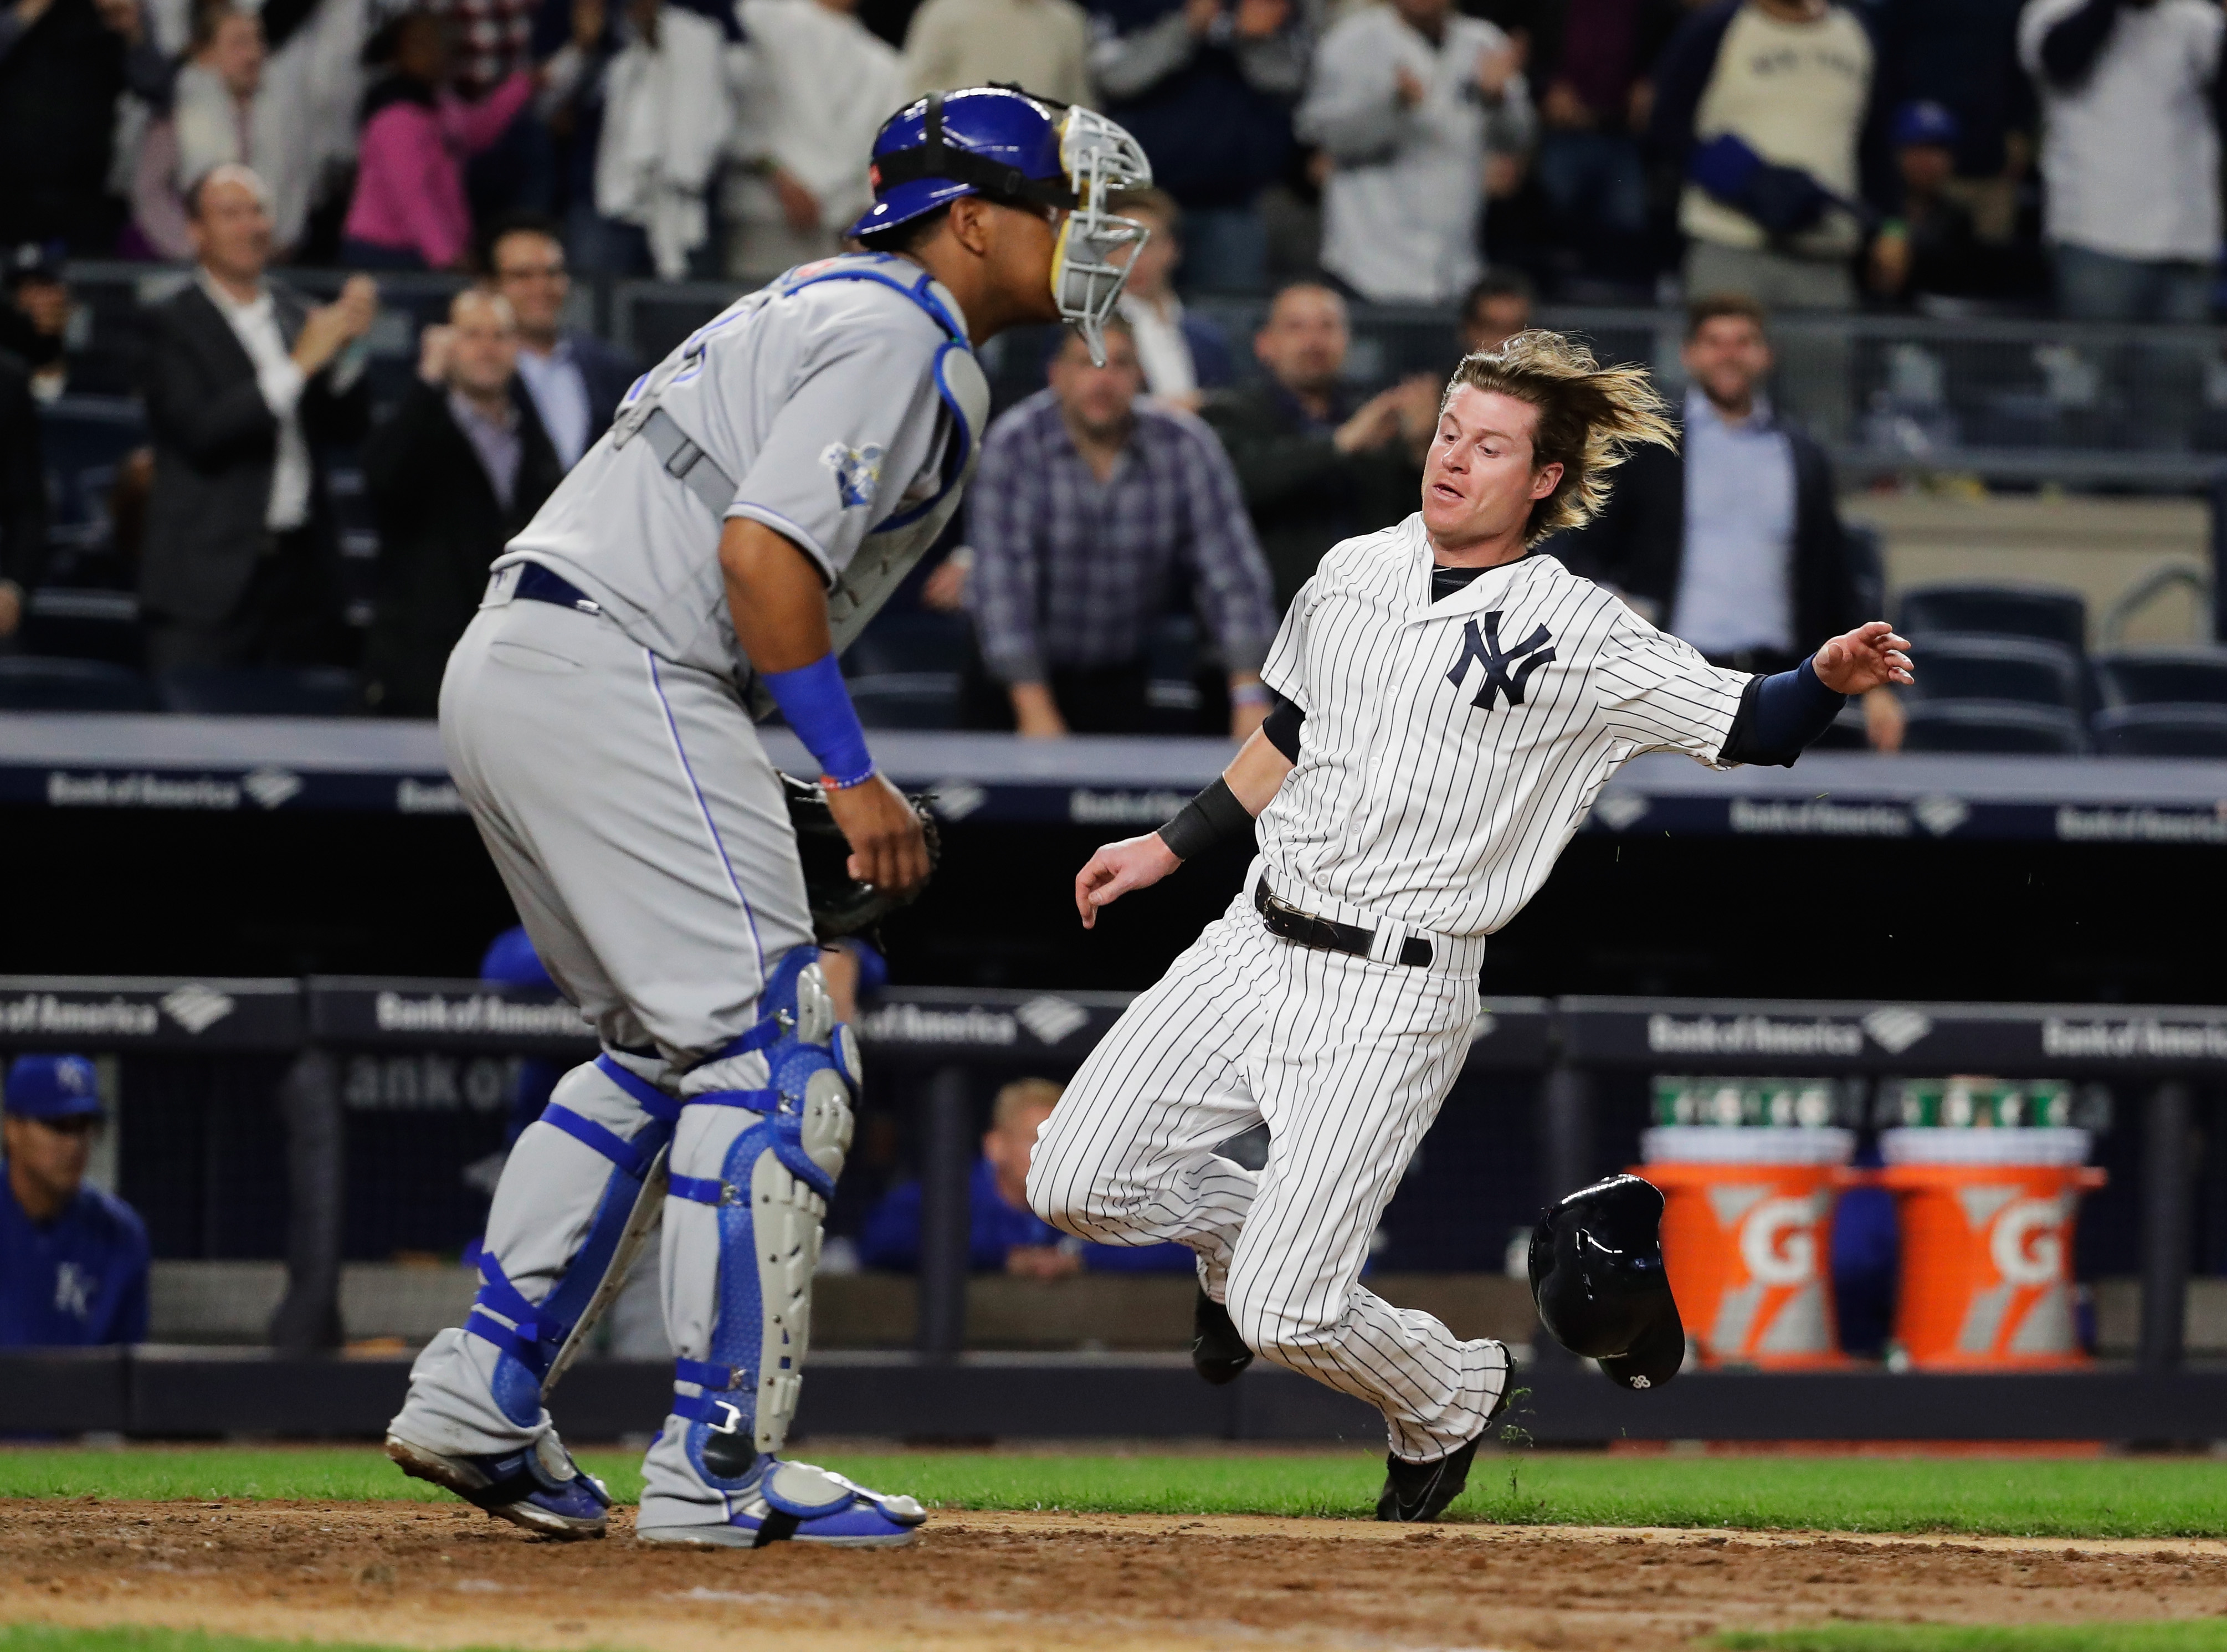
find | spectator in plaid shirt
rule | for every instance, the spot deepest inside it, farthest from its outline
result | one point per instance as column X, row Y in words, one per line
column 1093, row 511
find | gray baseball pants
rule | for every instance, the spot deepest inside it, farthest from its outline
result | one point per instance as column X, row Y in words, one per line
column 642, row 834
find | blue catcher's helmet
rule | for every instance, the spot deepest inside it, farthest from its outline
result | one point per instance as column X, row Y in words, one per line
column 996, row 141
column 1000, row 142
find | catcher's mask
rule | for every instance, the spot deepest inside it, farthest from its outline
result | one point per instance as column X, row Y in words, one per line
column 1012, row 146
column 1597, row 1278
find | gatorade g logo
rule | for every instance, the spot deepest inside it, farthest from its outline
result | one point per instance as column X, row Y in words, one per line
column 1778, row 1242
column 2026, row 1242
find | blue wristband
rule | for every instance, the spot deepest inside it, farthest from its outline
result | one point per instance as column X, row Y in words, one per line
column 818, row 706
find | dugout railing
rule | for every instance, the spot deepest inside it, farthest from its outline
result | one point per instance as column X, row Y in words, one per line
column 945, row 1050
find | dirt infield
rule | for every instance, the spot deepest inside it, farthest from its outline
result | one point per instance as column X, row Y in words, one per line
column 432, row 1577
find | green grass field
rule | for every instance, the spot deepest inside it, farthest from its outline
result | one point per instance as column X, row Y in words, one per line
column 2025, row 1497
column 2185, row 1634
column 2182, row 1635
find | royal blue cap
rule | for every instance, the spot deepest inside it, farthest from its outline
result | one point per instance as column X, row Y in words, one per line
column 512, row 962
column 53, row 1086
column 978, row 140
column 1926, row 121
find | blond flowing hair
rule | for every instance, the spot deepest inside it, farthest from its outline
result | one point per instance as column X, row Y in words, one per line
column 1590, row 418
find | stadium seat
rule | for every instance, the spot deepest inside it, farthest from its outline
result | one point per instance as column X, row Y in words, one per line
column 259, row 690
column 2002, row 726
column 83, row 438
column 2163, row 676
column 70, row 624
column 1172, row 698
column 31, row 682
column 905, row 671
column 1968, row 665
column 2049, row 613
column 2162, row 731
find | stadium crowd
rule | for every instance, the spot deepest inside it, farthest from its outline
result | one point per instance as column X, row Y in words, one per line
column 1806, row 152
column 1757, row 155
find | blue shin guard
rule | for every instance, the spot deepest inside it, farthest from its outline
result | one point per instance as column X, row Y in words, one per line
column 770, row 1198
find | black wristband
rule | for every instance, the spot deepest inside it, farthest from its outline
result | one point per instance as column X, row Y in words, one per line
column 1214, row 816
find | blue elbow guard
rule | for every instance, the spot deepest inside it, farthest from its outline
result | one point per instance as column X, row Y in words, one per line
column 818, row 706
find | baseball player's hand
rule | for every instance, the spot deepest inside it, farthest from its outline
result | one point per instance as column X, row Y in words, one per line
column 887, row 847
column 1864, row 659
column 1134, row 863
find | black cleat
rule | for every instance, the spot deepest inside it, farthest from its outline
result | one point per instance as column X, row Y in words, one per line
column 1217, row 1352
column 1414, row 1491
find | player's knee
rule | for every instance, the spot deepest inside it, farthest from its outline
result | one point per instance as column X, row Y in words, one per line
column 1055, row 1193
column 1273, row 1326
column 613, row 1101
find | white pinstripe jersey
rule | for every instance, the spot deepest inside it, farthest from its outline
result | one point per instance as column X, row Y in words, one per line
column 1452, row 749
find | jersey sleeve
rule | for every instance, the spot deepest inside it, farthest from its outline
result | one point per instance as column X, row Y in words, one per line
column 1285, row 669
column 1657, row 691
column 862, row 424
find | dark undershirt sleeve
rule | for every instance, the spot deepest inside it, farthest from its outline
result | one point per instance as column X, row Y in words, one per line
column 1282, row 728
column 1779, row 716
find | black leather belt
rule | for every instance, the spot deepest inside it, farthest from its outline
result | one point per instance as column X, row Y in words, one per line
column 1287, row 923
column 537, row 584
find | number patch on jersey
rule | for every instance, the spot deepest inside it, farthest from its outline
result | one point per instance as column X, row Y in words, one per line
column 1482, row 648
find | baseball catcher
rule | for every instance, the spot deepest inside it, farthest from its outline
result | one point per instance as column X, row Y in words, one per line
column 760, row 493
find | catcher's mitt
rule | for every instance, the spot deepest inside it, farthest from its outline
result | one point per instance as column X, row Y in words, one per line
column 841, row 905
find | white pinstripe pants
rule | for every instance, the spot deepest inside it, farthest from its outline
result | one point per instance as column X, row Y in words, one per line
column 1347, row 1061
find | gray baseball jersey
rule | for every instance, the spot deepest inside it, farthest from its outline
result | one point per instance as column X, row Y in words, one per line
column 630, row 806
column 845, row 409
column 1453, row 748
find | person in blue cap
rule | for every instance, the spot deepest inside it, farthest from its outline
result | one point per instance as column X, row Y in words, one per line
column 72, row 1259
column 760, row 493
column 1932, row 246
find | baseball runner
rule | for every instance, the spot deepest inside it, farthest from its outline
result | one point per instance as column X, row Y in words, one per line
column 759, row 495
column 1452, row 705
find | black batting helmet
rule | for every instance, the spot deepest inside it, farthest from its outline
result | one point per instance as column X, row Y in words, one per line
column 1597, row 1278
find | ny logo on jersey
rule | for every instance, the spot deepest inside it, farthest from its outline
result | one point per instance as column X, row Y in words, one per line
column 1484, row 648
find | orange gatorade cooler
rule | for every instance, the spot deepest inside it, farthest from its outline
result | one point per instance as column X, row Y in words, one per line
column 1987, row 1221
column 1747, row 1231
